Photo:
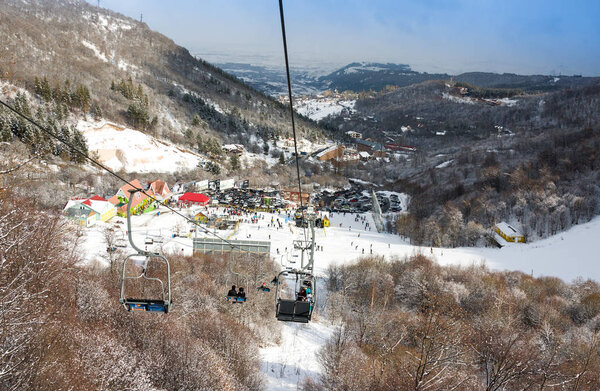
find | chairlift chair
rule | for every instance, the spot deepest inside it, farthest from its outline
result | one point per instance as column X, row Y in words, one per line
column 163, row 303
column 295, row 310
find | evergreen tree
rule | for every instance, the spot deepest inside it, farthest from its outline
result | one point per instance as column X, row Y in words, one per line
column 196, row 120
column 37, row 86
column 281, row 159
column 234, row 161
column 200, row 144
column 81, row 98
column 45, row 90
column 97, row 112
column 80, row 144
column 137, row 114
column 22, row 104
column 5, row 134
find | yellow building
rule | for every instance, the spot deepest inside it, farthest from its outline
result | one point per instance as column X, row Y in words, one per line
column 201, row 217
column 509, row 233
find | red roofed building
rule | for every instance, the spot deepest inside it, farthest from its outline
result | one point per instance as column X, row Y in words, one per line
column 161, row 191
column 194, row 199
column 140, row 200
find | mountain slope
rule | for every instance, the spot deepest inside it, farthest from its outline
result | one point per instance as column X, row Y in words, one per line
column 69, row 39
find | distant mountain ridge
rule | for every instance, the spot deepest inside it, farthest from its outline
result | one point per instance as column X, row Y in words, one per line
column 376, row 76
column 365, row 76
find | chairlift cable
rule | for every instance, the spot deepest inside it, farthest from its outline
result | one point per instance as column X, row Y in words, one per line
column 103, row 167
column 289, row 84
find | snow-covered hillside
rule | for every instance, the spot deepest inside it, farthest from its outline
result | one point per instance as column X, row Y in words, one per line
column 320, row 107
column 567, row 255
column 121, row 148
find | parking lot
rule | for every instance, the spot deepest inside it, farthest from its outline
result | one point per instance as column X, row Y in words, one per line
column 354, row 199
column 358, row 200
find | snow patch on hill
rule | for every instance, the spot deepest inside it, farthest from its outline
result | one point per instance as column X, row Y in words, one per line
column 319, row 108
column 96, row 51
column 121, row 148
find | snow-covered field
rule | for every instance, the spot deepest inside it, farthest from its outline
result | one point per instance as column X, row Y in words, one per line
column 319, row 108
column 468, row 100
column 567, row 255
column 121, row 148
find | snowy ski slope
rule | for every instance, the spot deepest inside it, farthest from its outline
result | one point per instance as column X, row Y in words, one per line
column 568, row 255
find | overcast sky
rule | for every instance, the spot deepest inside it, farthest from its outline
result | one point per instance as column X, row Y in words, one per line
column 454, row 36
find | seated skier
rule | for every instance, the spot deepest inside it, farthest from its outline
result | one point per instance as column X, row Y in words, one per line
column 232, row 292
column 241, row 294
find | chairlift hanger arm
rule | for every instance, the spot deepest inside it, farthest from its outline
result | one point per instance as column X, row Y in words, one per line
column 140, row 251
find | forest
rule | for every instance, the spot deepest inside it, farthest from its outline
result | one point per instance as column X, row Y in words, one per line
column 533, row 164
column 411, row 324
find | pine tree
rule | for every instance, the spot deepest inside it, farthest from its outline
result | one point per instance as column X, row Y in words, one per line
column 200, row 143
column 80, row 144
column 37, row 86
column 234, row 161
column 5, row 134
column 45, row 90
column 196, row 120
column 281, row 159
column 97, row 112
column 65, row 135
column 22, row 104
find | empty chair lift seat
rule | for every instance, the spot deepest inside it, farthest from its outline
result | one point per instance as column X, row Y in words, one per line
column 294, row 311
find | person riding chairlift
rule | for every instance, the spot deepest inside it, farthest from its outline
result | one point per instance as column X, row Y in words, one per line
column 308, row 287
column 301, row 295
column 241, row 294
column 232, row 292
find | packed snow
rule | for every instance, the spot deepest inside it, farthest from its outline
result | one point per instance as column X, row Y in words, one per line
column 121, row 148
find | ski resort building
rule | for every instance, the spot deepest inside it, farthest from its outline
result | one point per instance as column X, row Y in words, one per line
column 82, row 216
column 161, row 191
column 140, row 200
column 86, row 211
column 333, row 152
column 509, row 233
column 194, row 199
column 373, row 148
column 294, row 196
column 354, row 135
